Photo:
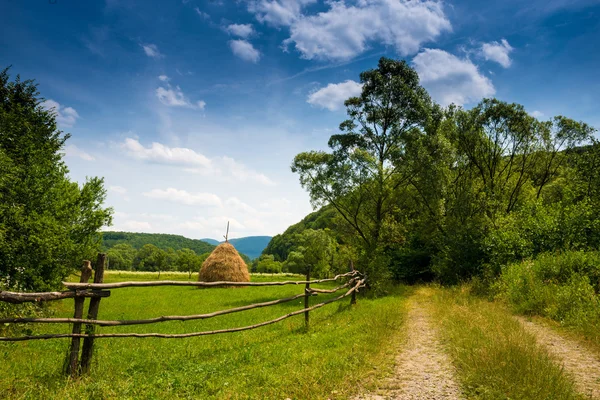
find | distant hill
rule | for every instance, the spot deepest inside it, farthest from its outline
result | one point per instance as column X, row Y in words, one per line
column 252, row 246
column 280, row 245
column 211, row 241
column 160, row 240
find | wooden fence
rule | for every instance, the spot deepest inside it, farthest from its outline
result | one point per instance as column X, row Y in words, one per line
column 76, row 364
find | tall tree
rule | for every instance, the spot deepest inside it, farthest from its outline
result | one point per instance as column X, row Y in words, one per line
column 363, row 170
column 48, row 224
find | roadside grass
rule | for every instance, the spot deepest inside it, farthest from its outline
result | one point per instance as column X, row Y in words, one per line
column 338, row 355
column 495, row 358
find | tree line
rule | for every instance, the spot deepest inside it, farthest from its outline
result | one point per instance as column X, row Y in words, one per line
column 125, row 257
column 422, row 192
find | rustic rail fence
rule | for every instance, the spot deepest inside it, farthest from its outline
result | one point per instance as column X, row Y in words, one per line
column 77, row 365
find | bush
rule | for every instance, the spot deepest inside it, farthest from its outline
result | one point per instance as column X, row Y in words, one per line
column 562, row 286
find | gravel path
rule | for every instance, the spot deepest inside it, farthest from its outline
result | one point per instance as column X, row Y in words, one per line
column 582, row 364
column 423, row 370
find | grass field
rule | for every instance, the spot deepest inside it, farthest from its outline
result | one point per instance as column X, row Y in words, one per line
column 331, row 360
column 494, row 356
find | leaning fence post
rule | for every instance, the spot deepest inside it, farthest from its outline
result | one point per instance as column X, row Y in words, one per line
column 353, row 298
column 306, row 297
column 73, row 357
column 88, row 342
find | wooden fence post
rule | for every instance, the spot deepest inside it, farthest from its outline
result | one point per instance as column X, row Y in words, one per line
column 73, row 357
column 353, row 298
column 306, row 297
column 88, row 342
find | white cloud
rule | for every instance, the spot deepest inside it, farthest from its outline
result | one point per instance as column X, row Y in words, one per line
column 498, row 52
column 163, row 78
column 117, row 189
column 278, row 12
column 174, row 97
column 65, row 116
column 74, row 151
column 241, row 30
column 185, row 197
column 133, row 226
column 201, row 13
column 193, row 161
column 241, row 172
column 537, row 114
column 151, row 50
column 244, row 50
column 450, row 79
column 345, row 31
column 239, row 205
column 333, row 95
column 162, row 154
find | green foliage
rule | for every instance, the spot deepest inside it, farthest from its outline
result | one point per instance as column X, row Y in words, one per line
column 48, row 224
column 161, row 240
column 324, row 218
column 121, row 256
column 365, row 166
column 245, row 365
column 314, row 251
column 563, row 286
column 267, row 264
column 494, row 356
column 150, row 258
column 188, row 261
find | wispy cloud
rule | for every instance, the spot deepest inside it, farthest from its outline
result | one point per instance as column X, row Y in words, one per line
column 151, row 50
column 244, row 50
column 345, row 31
column 65, row 116
column 498, row 52
column 450, row 79
column 174, row 97
column 193, row 162
column 185, row 197
column 201, row 13
column 332, row 96
column 242, row 30
column 74, row 151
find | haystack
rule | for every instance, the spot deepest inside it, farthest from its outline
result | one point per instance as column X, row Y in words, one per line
column 224, row 264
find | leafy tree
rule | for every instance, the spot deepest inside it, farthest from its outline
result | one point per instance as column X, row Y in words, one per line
column 358, row 177
column 188, row 261
column 266, row 264
column 48, row 224
column 121, row 256
column 314, row 250
column 366, row 167
column 149, row 258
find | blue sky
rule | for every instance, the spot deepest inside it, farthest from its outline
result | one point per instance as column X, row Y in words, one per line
column 193, row 110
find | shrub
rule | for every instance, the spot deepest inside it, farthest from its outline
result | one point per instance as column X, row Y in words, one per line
column 562, row 286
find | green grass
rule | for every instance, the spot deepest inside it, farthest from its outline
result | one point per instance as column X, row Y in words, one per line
column 494, row 356
column 337, row 354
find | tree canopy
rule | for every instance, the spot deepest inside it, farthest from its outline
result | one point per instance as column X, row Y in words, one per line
column 48, row 224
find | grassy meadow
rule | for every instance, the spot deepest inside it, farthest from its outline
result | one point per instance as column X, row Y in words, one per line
column 343, row 346
column 495, row 358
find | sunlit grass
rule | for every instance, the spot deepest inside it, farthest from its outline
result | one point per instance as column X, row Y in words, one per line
column 494, row 356
column 275, row 361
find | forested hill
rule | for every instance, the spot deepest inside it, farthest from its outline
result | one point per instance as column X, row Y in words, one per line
column 252, row 246
column 161, row 240
column 280, row 245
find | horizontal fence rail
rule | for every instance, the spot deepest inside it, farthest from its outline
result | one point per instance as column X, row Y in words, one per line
column 18, row 298
column 97, row 290
column 119, row 285
column 193, row 334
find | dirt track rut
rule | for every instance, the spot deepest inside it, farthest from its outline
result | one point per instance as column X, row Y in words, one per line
column 423, row 370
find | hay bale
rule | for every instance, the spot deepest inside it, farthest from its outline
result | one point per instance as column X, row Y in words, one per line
column 224, row 264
